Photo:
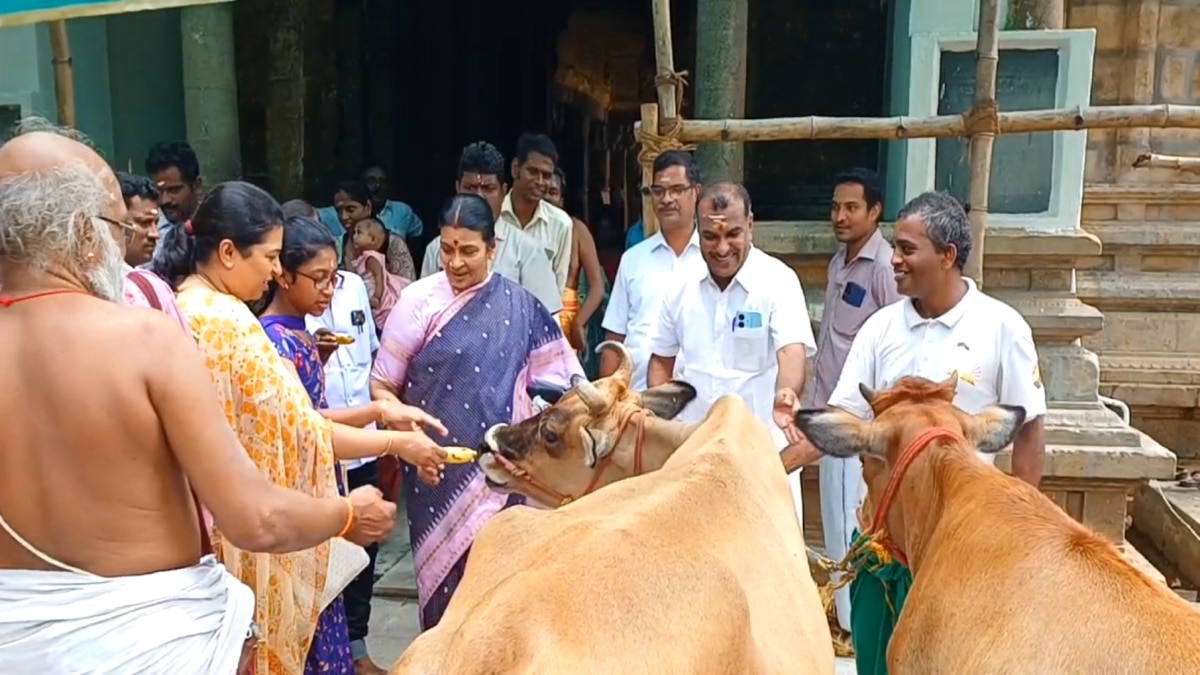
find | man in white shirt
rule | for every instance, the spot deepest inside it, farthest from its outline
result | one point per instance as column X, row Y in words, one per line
column 348, row 385
column 945, row 326
column 525, row 207
column 649, row 269
column 518, row 256
column 740, row 324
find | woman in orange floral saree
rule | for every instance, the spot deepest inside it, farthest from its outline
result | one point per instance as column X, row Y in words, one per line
column 222, row 258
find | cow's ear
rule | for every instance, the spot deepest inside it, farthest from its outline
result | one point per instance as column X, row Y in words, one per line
column 993, row 428
column 669, row 399
column 837, row 433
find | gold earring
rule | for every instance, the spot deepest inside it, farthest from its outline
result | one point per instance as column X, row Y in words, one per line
column 90, row 255
column 228, row 265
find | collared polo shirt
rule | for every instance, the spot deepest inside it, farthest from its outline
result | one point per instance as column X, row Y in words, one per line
column 987, row 342
column 729, row 339
column 855, row 290
column 647, row 271
column 519, row 258
column 552, row 228
column 348, row 370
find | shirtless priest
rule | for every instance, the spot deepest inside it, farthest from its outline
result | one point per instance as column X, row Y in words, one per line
column 109, row 421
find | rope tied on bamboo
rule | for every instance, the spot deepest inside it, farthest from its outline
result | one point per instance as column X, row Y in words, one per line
column 653, row 145
column 678, row 80
column 982, row 118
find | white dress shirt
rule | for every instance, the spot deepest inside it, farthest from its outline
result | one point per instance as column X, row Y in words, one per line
column 987, row 342
column 348, row 371
column 729, row 340
column 647, row 272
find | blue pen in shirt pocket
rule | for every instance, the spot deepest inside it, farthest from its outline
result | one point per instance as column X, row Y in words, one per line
column 746, row 321
column 853, row 294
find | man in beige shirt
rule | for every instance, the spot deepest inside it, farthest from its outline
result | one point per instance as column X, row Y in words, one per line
column 861, row 280
column 519, row 257
column 526, row 209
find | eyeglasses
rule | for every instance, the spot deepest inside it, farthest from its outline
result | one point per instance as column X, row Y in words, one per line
column 322, row 284
column 660, row 191
column 128, row 226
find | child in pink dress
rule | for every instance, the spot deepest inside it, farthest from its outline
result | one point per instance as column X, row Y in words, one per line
column 370, row 239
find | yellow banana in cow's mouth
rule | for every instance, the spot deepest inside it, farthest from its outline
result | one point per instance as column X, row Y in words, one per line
column 459, row 455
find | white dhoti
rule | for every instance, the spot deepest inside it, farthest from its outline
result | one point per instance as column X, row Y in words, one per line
column 841, row 495
column 797, row 498
column 193, row 620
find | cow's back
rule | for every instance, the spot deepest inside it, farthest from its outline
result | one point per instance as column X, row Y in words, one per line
column 685, row 569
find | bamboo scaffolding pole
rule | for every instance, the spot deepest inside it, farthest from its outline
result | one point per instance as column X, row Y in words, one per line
column 984, row 123
column 649, row 127
column 1176, row 162
column 666, row 79
column 813, row 128
column 64, row 78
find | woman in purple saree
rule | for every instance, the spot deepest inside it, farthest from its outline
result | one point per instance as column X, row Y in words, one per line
column 464, row 345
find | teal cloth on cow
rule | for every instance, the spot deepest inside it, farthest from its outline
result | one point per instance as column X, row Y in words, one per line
column 877, row 595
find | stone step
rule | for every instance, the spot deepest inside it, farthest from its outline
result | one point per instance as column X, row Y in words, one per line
column 1169, row 517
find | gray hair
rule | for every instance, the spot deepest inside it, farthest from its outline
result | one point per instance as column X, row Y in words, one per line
column 945, row 221
column 48, row 220
column 34, row 124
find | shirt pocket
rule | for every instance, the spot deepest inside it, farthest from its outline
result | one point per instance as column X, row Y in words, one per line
column 847, row 318
column 751, row 349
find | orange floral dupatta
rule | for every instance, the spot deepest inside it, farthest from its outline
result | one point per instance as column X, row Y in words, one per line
column 291, row 443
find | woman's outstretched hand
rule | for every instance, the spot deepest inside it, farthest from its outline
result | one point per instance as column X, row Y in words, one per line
column 396, row 415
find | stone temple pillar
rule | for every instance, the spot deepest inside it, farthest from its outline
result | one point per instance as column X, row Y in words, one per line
column 720, row 81
column 210, row 90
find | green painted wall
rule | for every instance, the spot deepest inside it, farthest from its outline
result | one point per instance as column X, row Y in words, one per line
column 128, row 79
column 896, row 152
column 146, row 84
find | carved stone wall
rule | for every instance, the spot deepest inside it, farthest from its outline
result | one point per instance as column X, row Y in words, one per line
column 1145, row 282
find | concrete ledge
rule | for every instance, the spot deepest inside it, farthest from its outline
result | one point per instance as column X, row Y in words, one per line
column 1098, row 463
column 1140, row 291
column 1159, row 193
column 1142, row 235
column 805, row 238
column 1170, row 518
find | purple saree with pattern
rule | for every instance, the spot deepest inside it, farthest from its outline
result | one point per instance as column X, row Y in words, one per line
column 467, row 359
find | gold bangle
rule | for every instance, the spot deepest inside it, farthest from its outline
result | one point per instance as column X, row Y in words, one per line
column 387, row 449
column 349, row 517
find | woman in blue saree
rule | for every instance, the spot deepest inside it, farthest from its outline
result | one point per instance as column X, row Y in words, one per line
column 464, row 345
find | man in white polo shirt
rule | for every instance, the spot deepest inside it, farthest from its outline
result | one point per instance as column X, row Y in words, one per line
column 740, row 323
column 348, row 385
column 945, row 326
column 650, row 269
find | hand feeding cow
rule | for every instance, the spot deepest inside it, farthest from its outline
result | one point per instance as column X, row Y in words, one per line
column 1004, row 580
column 696, row 566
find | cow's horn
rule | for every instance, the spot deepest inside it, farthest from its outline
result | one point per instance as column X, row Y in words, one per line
column 489, row 437
column 867, row 393
column 591, row 396
column 624, row 369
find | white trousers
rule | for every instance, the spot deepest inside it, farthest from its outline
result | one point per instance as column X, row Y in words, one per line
column 797, row 499
column 842, row 492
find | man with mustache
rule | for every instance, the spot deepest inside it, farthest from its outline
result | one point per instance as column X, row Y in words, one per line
column 739, row 326
column 175, row 170
column 526, row 209
column 945, row 326
column 859, row 283
column 648, row 269
column 105, row 565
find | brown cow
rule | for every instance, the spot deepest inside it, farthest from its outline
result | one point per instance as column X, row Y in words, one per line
column 697, row 568
column 1003, row 580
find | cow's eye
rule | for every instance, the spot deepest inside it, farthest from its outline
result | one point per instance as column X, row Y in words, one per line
column 549, row 436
